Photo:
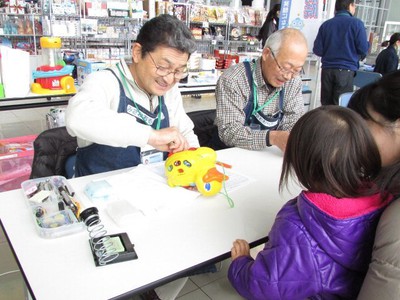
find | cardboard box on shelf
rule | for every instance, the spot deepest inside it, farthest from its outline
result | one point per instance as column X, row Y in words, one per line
column 96, row 9
column 16, row 156
column 85, row 67
column 89, row 27
column 150, row 7
column 118, row 9
column 209, row 77
column 16, row 6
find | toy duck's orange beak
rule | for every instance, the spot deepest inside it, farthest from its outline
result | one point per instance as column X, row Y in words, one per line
column 214, row 175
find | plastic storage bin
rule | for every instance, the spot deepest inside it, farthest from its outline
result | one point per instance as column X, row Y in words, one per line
column 54, row 208
column 16, row 156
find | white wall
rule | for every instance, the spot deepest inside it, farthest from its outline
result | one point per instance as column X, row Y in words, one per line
column 394, row 8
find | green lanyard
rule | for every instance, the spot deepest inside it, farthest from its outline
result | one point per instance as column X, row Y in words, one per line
column 256, row 109
column 134, row 102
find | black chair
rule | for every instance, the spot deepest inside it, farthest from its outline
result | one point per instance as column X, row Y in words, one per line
column 205, row 129
column 54, row 153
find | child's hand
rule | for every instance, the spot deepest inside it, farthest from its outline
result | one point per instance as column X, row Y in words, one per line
column 240, row 248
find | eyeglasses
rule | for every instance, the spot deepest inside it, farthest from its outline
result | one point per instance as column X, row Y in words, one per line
column 283, row 70
column 178, row 74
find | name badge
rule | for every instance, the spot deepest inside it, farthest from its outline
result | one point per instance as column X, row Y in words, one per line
column 150, row 155
column 268, row 124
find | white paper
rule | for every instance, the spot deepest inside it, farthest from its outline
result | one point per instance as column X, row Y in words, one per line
column 148, row 191
column 235, row 181
column 145, row 188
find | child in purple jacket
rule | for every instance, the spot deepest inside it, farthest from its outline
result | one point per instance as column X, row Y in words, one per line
column 320, row 244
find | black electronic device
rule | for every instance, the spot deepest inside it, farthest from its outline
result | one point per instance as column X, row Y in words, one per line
column 122, row 245
column 106, row 249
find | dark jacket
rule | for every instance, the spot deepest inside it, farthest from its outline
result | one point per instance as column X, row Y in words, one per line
column 51, row 150
column 341, row 42
column 268, row 28
column 319, row 248
column 387, row 61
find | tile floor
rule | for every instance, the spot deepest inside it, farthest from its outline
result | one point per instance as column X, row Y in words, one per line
column 15, row 123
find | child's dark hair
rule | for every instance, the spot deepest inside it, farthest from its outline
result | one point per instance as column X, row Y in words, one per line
column 331, row 150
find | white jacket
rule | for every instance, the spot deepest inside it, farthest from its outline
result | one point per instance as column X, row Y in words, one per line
column 92, row 115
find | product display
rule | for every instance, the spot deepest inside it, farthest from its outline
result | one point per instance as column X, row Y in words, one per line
column 100, row 35
column 54, row 76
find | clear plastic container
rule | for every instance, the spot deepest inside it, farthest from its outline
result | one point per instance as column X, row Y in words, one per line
column 16, row 156
column 51, row 51
column 54, row 208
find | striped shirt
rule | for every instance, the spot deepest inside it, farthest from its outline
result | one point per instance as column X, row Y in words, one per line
column 232, row 94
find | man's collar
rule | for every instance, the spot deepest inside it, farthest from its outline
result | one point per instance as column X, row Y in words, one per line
column 130, row 79
column 343, row 13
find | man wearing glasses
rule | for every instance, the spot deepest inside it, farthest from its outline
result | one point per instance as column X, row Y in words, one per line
column 133, row 113
column 259, row 102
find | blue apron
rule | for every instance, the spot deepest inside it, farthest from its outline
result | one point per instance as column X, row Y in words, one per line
column 266, row 122
column 97, row 158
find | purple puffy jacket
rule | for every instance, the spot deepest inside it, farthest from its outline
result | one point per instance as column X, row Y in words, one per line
column 317, row 249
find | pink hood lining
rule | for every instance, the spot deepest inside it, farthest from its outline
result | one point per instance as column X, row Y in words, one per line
column 343, row 208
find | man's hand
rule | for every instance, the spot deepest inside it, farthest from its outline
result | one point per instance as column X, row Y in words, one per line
column 279, row 138
column 168, row 139
column 240, row 248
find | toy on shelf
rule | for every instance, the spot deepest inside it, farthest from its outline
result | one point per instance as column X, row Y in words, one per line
column 195, row 167
column 54, row 76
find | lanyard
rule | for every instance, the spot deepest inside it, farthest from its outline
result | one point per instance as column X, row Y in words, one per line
column 134, row 102
column 256, row 109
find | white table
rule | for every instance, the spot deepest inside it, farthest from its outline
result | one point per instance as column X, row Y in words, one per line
column 168, row 245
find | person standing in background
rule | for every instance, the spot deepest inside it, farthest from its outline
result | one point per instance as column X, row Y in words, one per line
column 341, row 43
column 270, row 25
column 388, row 60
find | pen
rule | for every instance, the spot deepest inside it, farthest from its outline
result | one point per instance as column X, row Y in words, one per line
column 68, row 201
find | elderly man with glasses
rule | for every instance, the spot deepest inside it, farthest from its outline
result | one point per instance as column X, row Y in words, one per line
column 133, row 113
column 259, row 102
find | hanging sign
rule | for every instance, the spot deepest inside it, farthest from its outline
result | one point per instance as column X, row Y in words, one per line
column 305, row 15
